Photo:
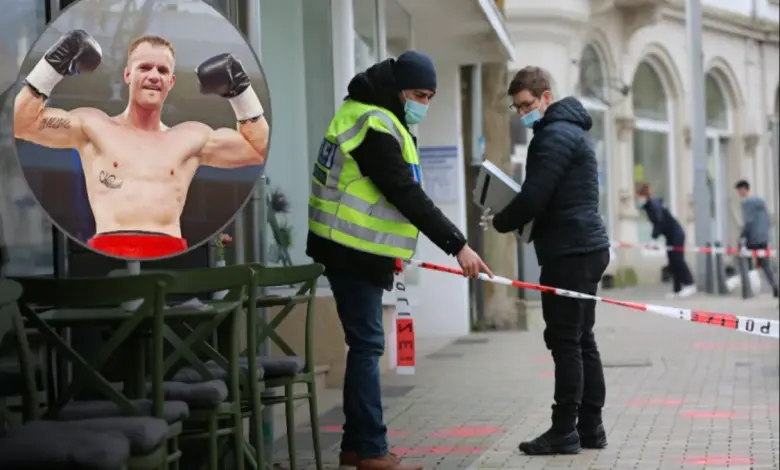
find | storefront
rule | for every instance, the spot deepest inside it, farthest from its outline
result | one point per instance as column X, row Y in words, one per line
column 309, row 52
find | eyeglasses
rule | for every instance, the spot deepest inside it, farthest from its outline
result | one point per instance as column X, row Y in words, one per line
column 522, row 107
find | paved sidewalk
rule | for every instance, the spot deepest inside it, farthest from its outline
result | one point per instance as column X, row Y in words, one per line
column 680, row 396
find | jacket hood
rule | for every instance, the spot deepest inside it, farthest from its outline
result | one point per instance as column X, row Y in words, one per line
column 568, row 109
column 376, row 86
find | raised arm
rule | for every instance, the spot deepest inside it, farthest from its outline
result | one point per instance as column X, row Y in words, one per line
column 228, row 148
column 75, row 52
column 50, row 127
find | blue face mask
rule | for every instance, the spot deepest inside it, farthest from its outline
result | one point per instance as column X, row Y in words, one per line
column 415, row 112
column 530, row 118
column 640, row 203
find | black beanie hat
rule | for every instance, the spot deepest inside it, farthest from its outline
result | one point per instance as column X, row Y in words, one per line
column 414, row 70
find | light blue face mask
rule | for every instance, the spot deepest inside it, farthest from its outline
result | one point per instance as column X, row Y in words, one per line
column 640, row 203
column 530, row 118
column 415, row 112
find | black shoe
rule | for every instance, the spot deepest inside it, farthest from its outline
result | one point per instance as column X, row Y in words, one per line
column 552, row 442
column 595, row 438
column 774, row 293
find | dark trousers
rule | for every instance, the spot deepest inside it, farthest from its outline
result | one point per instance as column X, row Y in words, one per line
column 579, row 375
column 678, row 268
column 764, row 263
column 359, row 306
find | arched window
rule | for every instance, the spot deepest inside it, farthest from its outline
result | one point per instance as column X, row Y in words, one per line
column 718, row 122
column 717, row 106
column 652, row 149
column 592, row 91
column 592, row 74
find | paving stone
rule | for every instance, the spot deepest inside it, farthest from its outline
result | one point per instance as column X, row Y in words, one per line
column 687, row 397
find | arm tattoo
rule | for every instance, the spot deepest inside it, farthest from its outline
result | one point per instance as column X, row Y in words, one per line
column 109, row 180
column 54, row 123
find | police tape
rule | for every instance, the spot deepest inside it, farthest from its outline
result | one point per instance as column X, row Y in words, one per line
column 741, row 252
column 751, row 325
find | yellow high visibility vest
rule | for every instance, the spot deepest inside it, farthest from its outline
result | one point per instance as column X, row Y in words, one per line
column 345, row 206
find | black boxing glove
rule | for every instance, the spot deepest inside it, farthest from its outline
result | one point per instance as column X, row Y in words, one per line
column 75, row 52
column 224, row 75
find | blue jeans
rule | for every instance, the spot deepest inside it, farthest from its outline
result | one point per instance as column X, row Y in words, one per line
column 359, row 305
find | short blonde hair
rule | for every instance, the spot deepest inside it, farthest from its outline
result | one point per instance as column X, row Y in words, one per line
column 153, row 40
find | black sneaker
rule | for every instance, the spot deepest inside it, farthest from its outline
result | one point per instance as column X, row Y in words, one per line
column 593, row 438
column 774, row 293
column 552, row 442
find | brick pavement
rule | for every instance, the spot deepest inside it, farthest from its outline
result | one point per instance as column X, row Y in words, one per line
column 680, row 396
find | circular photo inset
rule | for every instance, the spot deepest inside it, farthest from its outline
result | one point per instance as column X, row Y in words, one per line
column 141, row 126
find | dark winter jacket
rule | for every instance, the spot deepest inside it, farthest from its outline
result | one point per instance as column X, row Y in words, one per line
column 379, row 158
column 561, row 189
column 664, row 222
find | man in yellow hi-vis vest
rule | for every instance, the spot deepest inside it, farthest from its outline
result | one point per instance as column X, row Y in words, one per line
column 366, row 208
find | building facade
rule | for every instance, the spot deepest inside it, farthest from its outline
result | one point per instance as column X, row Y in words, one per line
column 627, row 61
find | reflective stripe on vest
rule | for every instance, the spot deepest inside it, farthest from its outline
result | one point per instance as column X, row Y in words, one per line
column 347, row 218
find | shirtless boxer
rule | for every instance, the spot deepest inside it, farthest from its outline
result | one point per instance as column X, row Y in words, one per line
column 137, row 169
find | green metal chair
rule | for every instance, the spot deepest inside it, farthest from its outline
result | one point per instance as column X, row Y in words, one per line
column 38, row 444
column 133, row 308
column 211, row 334
column 283, row 373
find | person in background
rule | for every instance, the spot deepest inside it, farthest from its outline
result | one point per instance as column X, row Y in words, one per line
column 755, row 229
column 665, row 224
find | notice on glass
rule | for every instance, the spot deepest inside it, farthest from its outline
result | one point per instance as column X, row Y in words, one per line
column 440, row 173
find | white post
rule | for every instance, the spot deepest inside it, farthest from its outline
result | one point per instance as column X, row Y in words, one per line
column 698, row 134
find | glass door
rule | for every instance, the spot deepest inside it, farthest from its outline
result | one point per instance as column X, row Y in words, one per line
column 717, row 147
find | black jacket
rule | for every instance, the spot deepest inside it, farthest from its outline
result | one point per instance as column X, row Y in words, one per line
column 561, row 189
column 380, row 159
column 664, row 222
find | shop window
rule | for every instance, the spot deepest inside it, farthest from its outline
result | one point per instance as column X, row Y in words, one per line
column 25, row 229
column 652, row 149
column 650, row 100
column 592, row 89
column 399, row 28
column 717, row 106
column 298, row 62
column 366, row 34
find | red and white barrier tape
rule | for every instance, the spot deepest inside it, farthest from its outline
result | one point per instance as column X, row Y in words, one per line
column 743, row 252
column 755, row 326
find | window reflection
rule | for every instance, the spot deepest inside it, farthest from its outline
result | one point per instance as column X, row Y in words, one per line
column 366, row 34
column 650, row 101
column 296, row 51
column 399, row 28
column 26, row 230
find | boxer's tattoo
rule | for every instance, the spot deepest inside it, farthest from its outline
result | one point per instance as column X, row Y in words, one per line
column 54, row 123
column 108, row 180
